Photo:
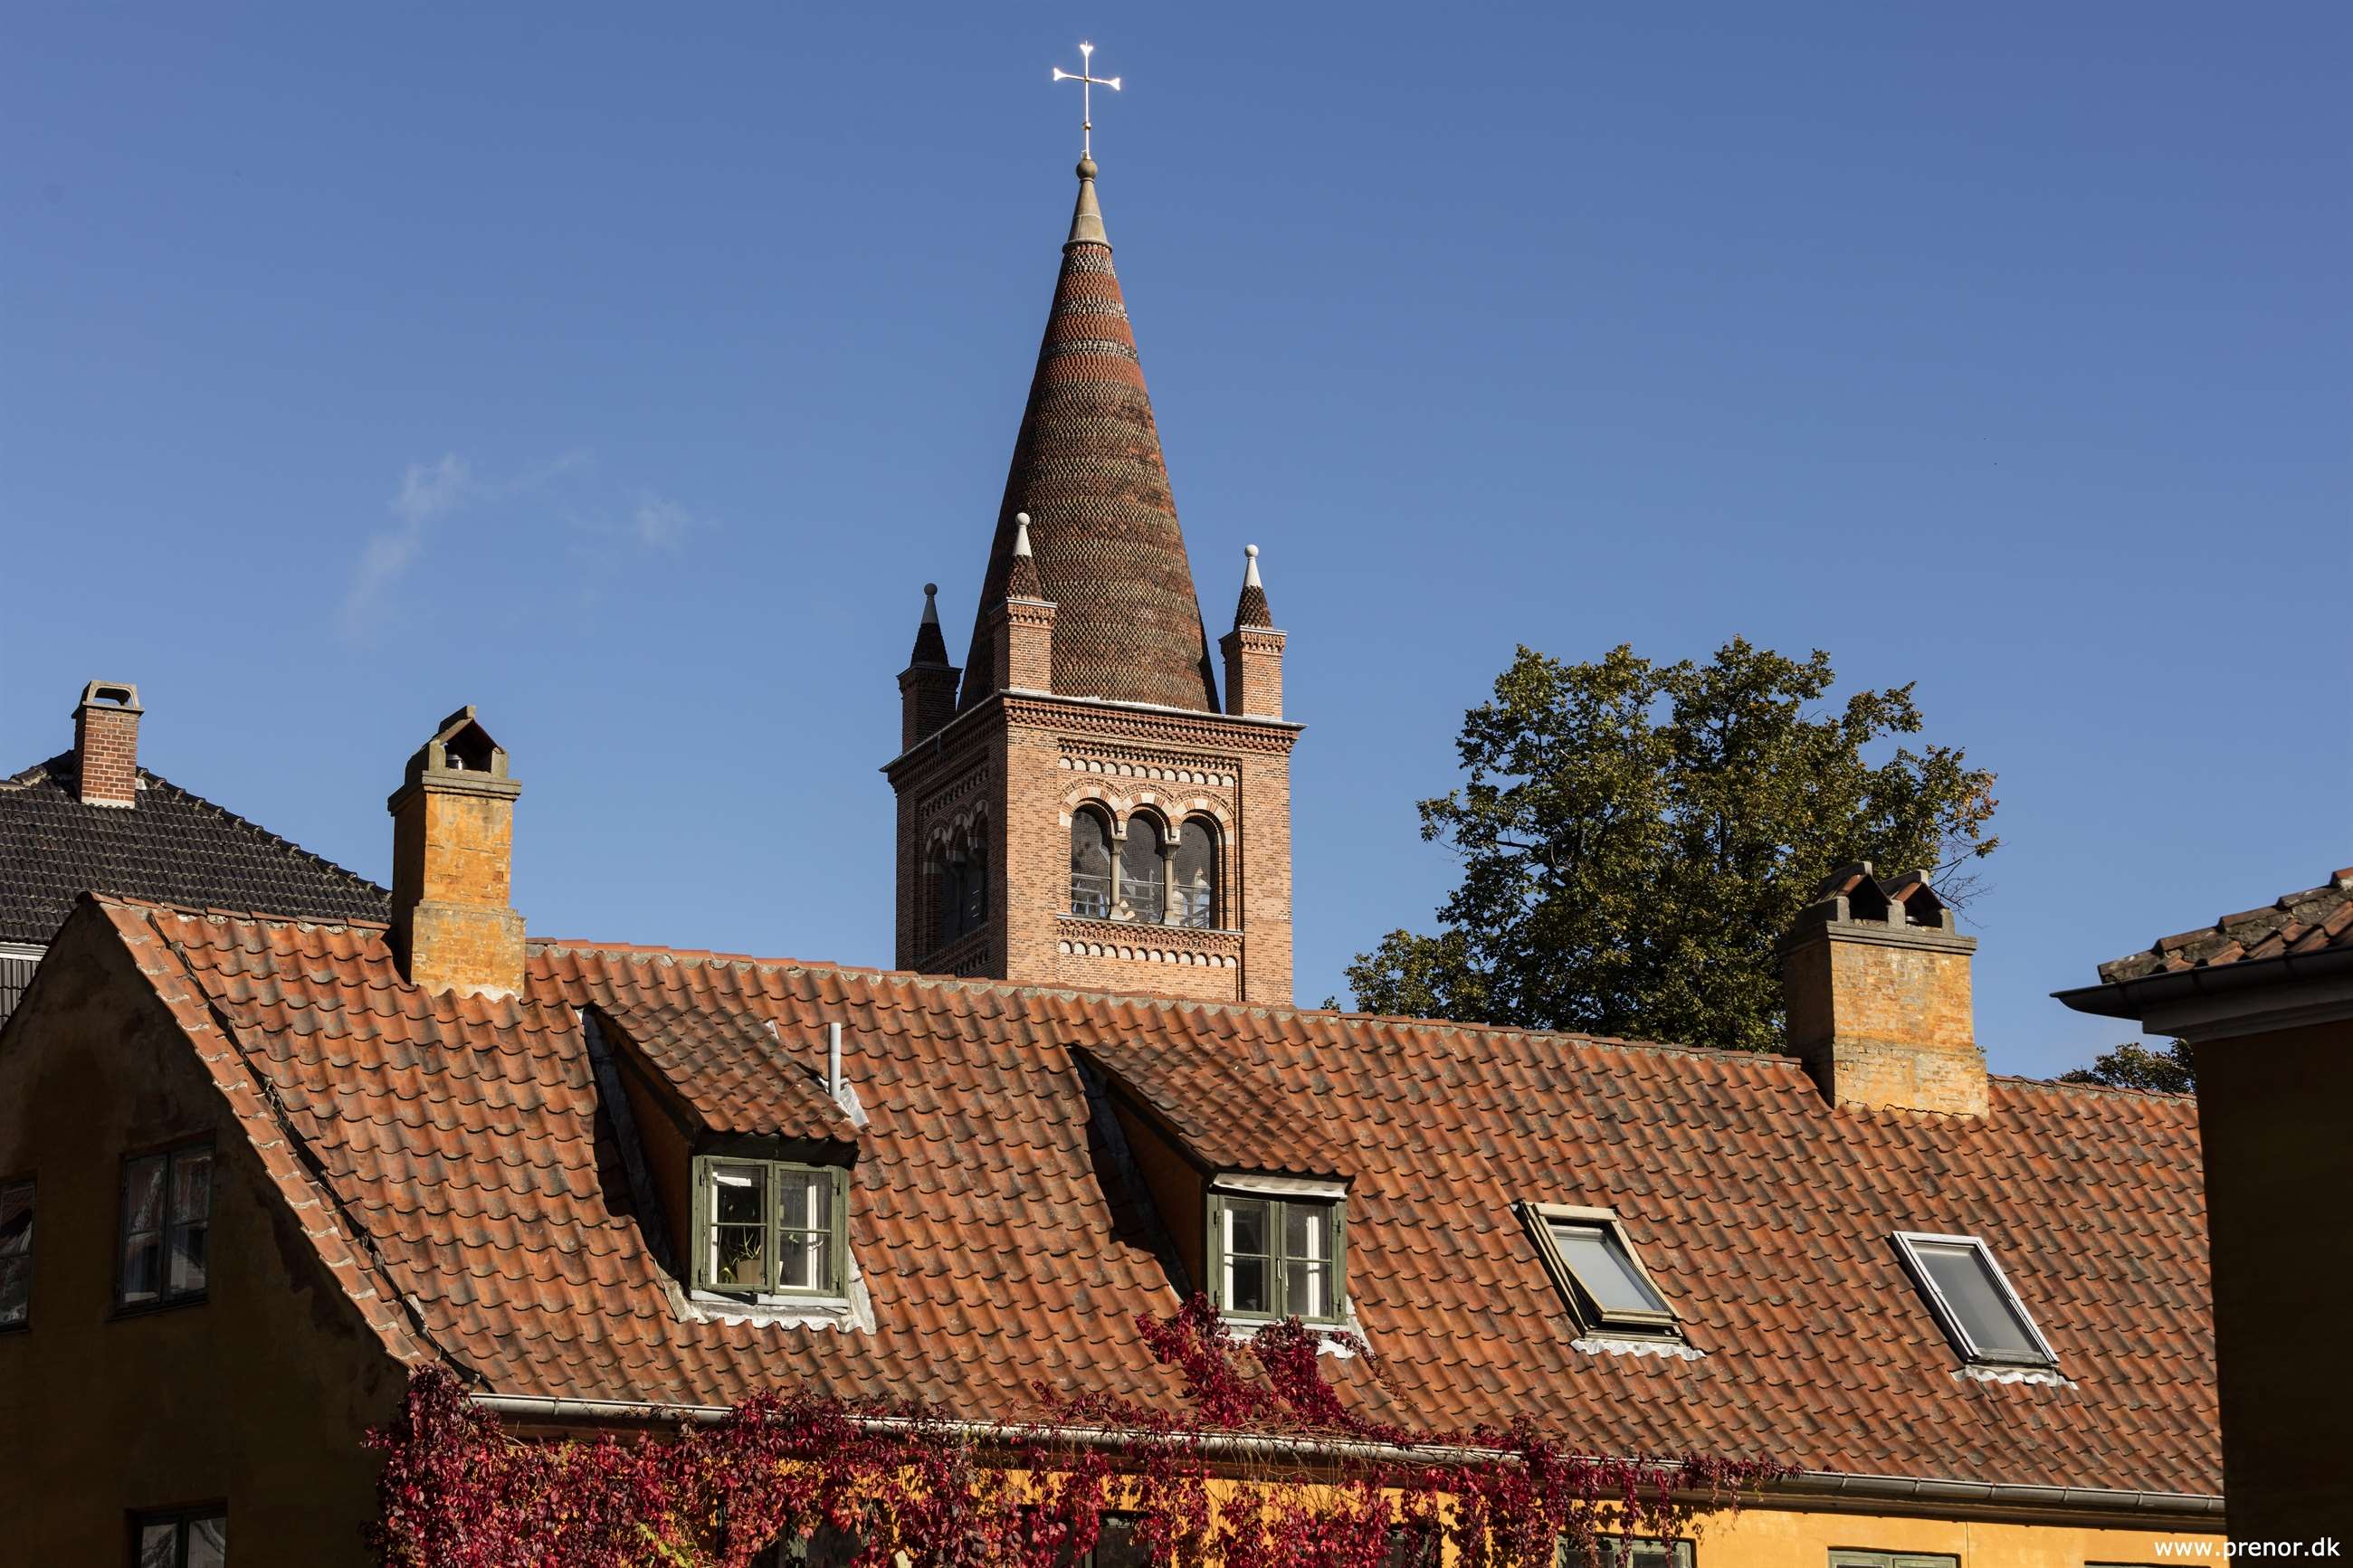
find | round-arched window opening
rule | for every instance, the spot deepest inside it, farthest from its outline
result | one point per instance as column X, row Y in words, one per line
column 1090, row 889
column 1195, row 872
column 1143, row 892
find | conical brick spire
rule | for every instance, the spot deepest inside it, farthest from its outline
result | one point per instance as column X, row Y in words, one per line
column 1088, row 470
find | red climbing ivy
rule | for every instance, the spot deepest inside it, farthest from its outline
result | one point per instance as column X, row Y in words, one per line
column 1265, row 1466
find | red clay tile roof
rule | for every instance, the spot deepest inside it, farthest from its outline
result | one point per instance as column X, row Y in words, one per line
column 172, row 845
column 730, row 1069
column 1001, row 1248
column 1087, row 468
column 2314, row 921
column 1224, row 1117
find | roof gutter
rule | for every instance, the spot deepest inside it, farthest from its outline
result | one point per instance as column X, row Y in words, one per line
column 2133, row 998
column 1833, row 1489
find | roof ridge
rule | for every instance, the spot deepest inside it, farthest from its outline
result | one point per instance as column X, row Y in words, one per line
column 1165, row 998
column 2070, row 1086
column 38, row 772
column 277, row 840
column 206, row 911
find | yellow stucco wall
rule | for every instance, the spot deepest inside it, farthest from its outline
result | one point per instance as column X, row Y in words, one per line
column 1760, row 1537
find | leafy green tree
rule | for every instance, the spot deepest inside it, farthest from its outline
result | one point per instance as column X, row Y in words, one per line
column 2134, row 1066
column 1636, row 837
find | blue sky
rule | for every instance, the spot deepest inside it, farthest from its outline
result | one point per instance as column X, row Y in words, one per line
column 625, row 371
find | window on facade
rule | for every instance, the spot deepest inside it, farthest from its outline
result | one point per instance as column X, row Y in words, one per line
column 1624, row 1551
column 1841, row 1557
column 15, row 1254
column 1413, row 1546
column 185, row 1538
column 1597, row 1272
column 1194, row 871
column 769, row 1228
column 1142, row 891
column 1089, row 865
column 824, row 1548
column 1972, row 1300
column 1277, row 1257
column 962, row 888
column 167, row 1202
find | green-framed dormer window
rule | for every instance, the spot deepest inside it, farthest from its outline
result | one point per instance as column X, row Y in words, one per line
column 769, row 1228
column 1278, row 1253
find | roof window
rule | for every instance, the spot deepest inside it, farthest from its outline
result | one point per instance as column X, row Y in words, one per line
column 1598, row 1271
column 1278, row 1249
column 1972, row 1299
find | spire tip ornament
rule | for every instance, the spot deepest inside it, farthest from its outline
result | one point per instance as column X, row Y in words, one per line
column 1088, row 81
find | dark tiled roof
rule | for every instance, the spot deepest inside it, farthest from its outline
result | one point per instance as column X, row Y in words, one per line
column 173, row 847
column 2314, row 921
column 1088, row 470
column 994, row 1232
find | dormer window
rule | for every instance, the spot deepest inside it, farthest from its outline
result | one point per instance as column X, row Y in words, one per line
column 767, row 1228
column 1598, row 1273
column 1972, row 1299
column 1278, row 1250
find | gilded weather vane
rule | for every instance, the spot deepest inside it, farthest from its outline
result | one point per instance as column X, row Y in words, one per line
column 1087, row 82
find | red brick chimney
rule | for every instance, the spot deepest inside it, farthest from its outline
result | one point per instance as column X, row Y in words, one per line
column 453, row 926
column 1876, row 983
column 106, row 743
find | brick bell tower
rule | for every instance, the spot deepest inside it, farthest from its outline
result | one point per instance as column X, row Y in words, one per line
column 1076, row 807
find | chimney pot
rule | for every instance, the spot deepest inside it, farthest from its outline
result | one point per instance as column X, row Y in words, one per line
column 106, row 743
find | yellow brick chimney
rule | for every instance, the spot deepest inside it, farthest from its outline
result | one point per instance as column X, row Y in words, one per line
column 1876, row 983
column 454, row 926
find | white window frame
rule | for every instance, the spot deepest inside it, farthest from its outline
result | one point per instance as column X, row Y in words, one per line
column 1950, row 1320
column 1583, row 1308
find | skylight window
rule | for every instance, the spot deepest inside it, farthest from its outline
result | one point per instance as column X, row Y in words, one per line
column 1598, row 1271
column 1972, row 1299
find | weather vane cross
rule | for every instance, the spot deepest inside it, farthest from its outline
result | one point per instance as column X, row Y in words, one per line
column 1087, row 82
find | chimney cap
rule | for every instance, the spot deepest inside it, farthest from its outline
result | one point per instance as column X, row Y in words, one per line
column 121, row 694
column 460, row 755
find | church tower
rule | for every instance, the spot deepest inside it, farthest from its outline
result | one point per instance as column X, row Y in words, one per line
column 1076, row 807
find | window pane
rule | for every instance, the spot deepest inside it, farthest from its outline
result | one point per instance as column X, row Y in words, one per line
column 1245, row 1285
column 1307, row 1289
column 159, row 1546
column 802, row 1260
column 16, row 1220
column 1140, row 870
column 142, row 1269
column 1601, row 1266
column 16, row 1290
column 1306, row 1230
column 208, row 1542
column 1246, row 1226
column 142, row 1195
column 192, row 1184
column 1969, row 1290
column 805, row 1199
column 1117, row 1546
column 1197, row 873
column 184, row 1257
column 1089, row 865
column 739, row 1229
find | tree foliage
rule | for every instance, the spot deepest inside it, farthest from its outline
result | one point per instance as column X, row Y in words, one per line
column 2168, row 1070
column 1635, row 837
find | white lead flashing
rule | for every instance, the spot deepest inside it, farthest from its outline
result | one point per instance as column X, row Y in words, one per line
column 1610, row 1345
column 1278, row 1187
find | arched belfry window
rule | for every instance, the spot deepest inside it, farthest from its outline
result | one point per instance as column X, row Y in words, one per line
column 1090, row 863
column 1194, row 872
column 1143, row 886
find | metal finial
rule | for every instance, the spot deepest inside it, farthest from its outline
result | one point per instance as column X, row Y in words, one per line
column 1087, row 82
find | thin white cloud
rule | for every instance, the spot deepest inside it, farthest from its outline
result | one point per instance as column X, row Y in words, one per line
column 428, row 491
column 661, row 523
